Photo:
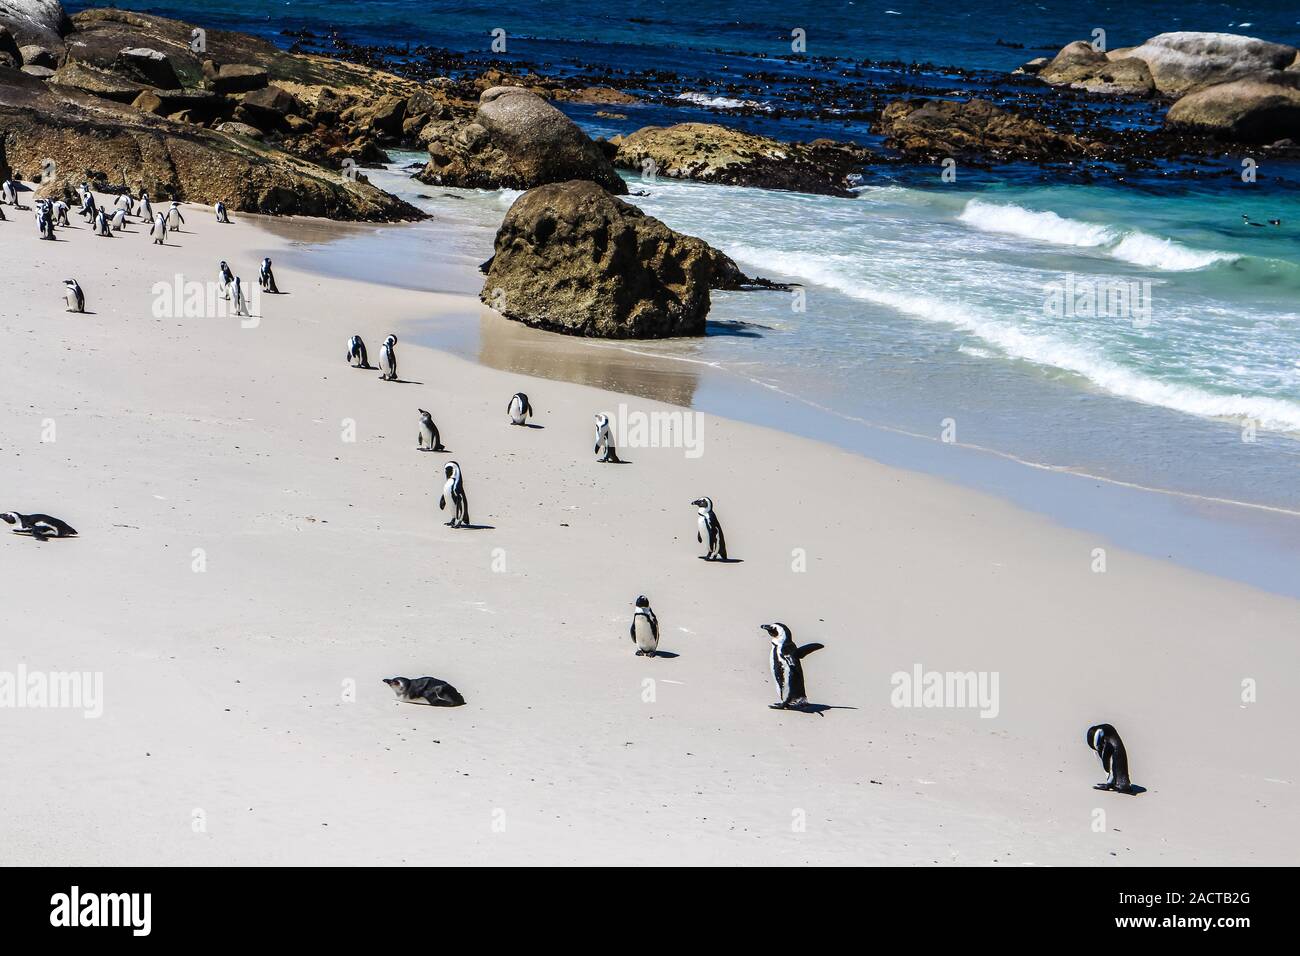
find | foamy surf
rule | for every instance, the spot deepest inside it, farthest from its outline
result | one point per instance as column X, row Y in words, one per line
column 1130, row 246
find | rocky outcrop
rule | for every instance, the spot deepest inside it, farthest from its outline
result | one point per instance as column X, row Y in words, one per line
column 115, row 146
column 1080, row 66
column 717, row 154
column 42, row 22
column 948, row 128
column 571, row 258
column 515, row 140
column 1262, row 108
column 1181, row 62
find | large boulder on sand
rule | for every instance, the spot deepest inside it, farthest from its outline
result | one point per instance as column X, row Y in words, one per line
column 571, row 258
column 1180, row 62
column 516, row 140
column 1263, row 108
column 35, row 21
column 718, row 154
column 943, row 128
column 1081, row 67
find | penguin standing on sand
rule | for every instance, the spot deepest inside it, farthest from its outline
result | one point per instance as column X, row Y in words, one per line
column 388, row 359
column 710, row 530
column 88, row 207
column 222, row 215
column 605, row 440
column 787, row 666
column 1105, row 740
column 73, row 296
column 159, row 230
column 357, row 353
column 174, row 218
column 225, row 279
column 428, row 439
column 143, row 209
column 454, row 490
column 44, row 223
column 237, row 294
column 644, row 628
column 9, row 193
column 39, row 527
column 518, row 409
column 61, row 213
column 101, row 225
column 118, row 222
column 123, row 202
column 266, row 278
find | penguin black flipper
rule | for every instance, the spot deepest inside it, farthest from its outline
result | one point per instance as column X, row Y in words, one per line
column 442, row 503
column 698, row 538
column 807, row 649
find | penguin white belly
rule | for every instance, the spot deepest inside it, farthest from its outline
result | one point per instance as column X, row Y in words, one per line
column 645, row 635
column 704, row 532
column 426, row 435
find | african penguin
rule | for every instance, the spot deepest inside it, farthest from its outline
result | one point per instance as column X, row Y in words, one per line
column 388, row 359
column 88, row 207
column 454, row 489
column 73, row 296
column 123, row 202
column 222, row 215
column 159, row 230
column 101, row 225
column 425, row 690
column 787, row 666
column 9, row 193
column 266, row 277
column 1105, row 740
column 39, row 527
column 225, row 279
column 60, row 213
column 237, row 294
column 357, row 353
column 428, row 438
column 518, row 409
column 644, row 629
column 118, row 222
column 143, row 209
column 710, row 530
column 174, row 218
column 605, row 440
column 44, row 223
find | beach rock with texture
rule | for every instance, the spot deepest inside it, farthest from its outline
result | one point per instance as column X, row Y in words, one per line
column 147, row 66
column 42, row 22
column 1181, row 62
column 718, row 154
column 515, row 140
column 1079, row 66
column 114, row 146
column 944, row 128
column 572, row 258
column 1262, row 108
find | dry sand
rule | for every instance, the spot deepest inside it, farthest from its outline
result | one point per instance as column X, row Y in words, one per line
column 228, row 736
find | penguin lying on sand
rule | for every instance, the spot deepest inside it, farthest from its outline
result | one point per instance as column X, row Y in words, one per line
column 425, row 690
column 40, row 527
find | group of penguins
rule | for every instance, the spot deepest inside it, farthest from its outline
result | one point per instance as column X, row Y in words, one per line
column 786, row 657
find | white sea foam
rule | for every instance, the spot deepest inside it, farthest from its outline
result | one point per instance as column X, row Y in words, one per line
column 1135, row 247
column 720, row 102
column 1032, row 346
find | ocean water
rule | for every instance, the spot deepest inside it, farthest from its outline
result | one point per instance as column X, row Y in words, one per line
column 1140, row 333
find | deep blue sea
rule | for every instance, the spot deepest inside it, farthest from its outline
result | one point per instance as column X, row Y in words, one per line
column 1140, row 332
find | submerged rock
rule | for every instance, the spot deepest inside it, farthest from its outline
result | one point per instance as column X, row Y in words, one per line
column 948, row 128
column 515, row 140
column 571, row 258
column 718, row 154
column 1262, row 108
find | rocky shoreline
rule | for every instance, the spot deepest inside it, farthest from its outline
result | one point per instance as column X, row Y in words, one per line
column 130, row 102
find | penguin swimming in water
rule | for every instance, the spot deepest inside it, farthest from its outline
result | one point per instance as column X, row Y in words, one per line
column 61, row 213
column 357, row 353
column 605, row 440
column 220, row 209
column 266, row 277
column 710, row 530
column 518, row 409
column 118, row 222
column 428, row 439
column 101, row 225
column 454, row 490
column 39, row 527
column 159, row 230
column 143, row 209
column 174, row 218
column 388, row 359
column 73, row 296
column 1105, row 740
column 644, row 628
column 425, row 690
column 787, row 666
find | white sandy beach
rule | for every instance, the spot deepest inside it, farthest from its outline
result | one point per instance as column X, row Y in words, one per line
column 327, row 562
